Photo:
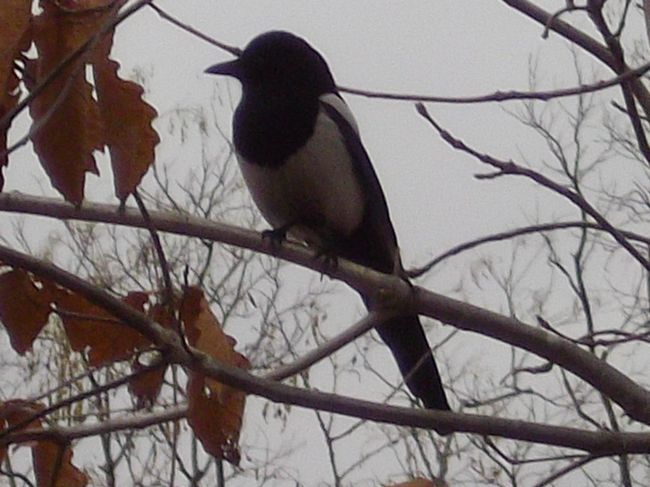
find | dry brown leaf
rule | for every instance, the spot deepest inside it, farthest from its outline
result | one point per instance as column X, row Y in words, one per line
column 67, row 118
column 215, row 418
column 14, row 19
column 24, row 308
column 146, row 386
column 17, row 411
column 54, row 459
column 69, row 123
column 127, row 121
column 26, row 302
column 215, row 410
column 48, row 457
column 90, row 326
column 3, row 449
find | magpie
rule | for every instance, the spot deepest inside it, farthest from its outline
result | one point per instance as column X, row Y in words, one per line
column 299, row 150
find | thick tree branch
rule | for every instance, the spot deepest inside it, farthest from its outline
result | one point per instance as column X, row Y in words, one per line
column 634, row 399
column 598, row 443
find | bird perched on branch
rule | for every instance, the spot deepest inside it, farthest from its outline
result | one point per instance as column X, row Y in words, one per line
column 299, row 150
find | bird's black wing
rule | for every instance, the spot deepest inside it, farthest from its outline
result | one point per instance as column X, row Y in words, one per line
column 374, row 244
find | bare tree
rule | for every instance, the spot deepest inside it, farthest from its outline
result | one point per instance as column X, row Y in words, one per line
column 567, row 400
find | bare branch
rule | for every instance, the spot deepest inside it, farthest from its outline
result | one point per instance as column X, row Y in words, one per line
column 328, row 348
column 581, row 39
column 67, row 434
column 509, row 167
column 620, row 388
column 517, row 232
column 501, row 96
column 170, row 18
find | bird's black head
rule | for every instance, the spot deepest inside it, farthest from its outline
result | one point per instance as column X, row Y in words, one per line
column 280, row 61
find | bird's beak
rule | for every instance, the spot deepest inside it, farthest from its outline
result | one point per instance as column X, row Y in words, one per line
column 230, row 68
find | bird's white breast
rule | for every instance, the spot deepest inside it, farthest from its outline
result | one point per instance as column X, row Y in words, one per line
column 319, row 179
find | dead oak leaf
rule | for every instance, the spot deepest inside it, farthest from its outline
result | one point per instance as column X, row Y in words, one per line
column 67, row 122
column 15, row 18
column 24, row 308
column 52, row 460
column 127, row 122
column 215, row 410
column 90, row 326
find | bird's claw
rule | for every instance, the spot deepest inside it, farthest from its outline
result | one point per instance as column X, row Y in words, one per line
column 329, row 259
column 275, row 236
column 330, row 263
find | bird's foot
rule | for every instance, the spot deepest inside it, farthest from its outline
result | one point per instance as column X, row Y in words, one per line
column 276, row 236
column 329, row 259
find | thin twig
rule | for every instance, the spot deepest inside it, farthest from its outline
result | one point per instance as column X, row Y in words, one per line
column 114, row 384
column 516, row 232
column 565, row 470
column 160, row 252
column 569, row 8
column 509, row 167
column 170, row 18
column 329, row 347
column 499, row 96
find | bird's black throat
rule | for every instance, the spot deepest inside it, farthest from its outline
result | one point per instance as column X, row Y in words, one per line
column 270, row 127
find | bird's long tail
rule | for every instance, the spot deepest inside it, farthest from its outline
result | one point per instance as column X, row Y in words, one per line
column 374, row 245
column 405, row 337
